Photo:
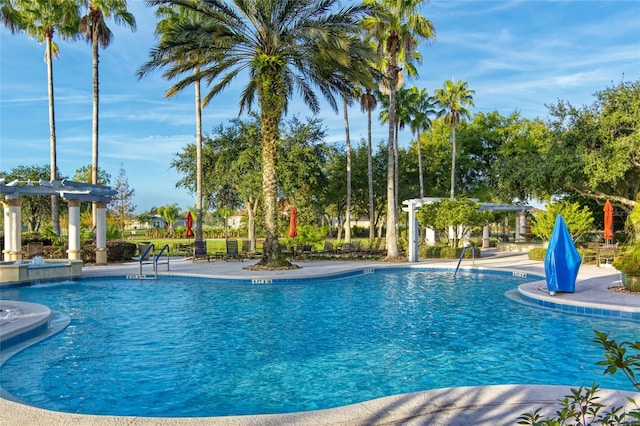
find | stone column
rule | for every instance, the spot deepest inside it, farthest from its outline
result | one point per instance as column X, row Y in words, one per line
column 521, row 218
column 413, row 234
column 485, row 236
column 74, row 251
column 430, row 235
column 12, row 229
column 101, row 233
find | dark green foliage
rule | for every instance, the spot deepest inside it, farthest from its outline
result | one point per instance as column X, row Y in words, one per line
column 447, row 252
column 537, row 254
column 430, row 251
column 117, row 251
column 617, row 357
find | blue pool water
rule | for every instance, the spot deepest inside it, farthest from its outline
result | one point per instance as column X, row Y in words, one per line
column 192, row 347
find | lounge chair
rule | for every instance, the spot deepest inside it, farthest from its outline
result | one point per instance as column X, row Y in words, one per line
column 200, row 251
column 232, row 250
column 246, row 250
column 328, row 247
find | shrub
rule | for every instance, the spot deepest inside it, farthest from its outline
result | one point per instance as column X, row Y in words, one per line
column 629, row 261
column 537, row 254
column 449, row 253
column 117, row 251
column 446, row 252
column 429, row 251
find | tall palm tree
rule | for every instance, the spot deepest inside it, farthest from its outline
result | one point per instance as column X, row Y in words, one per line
column 397, row 30
column 95, row 29
column 279, row 46
column 173, row 18
column 367, row 104
column 422, row 106
column 39, row 19
column 403, row 116
column 346, row 99
column 453, row 100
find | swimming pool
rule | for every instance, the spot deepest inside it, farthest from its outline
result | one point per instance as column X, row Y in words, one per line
column 183, row 347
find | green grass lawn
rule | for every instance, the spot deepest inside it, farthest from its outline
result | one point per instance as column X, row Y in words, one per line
column 214, row 245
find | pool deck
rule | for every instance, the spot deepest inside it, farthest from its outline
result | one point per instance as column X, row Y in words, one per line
column 482, row 405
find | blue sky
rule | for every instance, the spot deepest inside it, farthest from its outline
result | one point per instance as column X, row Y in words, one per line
column 516, row 55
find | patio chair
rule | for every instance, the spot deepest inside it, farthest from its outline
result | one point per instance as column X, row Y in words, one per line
column 606, row 254
column 303, row 251
column 328, row 247
column 200, row 251
column 246, row 250
column 232, row 250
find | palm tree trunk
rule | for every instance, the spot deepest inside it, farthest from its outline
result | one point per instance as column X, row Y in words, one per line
column 347, row 220
column 55, row 214
column 370, row 176
column 198, row 236
column 252, row 208
column 396, row 173
column 271, row 106
column 392, row 237
column 94, row 130
column 453, row 162
column 269, row 143
column 421, row 176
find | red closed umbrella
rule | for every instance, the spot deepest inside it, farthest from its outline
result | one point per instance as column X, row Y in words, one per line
column 608, row 222
column 189, row 225
column 293, row 223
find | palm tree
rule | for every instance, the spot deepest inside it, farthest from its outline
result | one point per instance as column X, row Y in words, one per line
column 39, row 19
column 396, row 30
column 368, row 104
column 403, row 115
column 170, row 213
column 453, row 99
column 97, row 33
column 347, row 219
column 280, row 46
column 422, row 106
column 170, row 26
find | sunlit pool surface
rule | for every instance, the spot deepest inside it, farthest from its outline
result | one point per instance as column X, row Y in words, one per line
column 181, row 347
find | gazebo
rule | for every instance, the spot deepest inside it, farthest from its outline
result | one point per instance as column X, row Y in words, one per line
column 73, row 193
column 412, row 205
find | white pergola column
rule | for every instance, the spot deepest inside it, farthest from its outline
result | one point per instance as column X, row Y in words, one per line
column 430, row 235
column 74, row 251
column 101, row 233
column 413, row 233
column 12, row 229
column 485, row 236
column 521, row 222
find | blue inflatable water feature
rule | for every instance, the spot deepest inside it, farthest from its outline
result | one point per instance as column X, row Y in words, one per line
column 562, row 261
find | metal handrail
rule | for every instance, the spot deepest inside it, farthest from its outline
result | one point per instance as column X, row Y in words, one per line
column 473, row 255
column 143, row 255
column 157, row 257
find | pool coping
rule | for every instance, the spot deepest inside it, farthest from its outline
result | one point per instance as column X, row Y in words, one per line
column 462, row 406
column 480, row 405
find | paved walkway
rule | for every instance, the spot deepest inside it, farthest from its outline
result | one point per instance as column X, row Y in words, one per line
column 483, row 405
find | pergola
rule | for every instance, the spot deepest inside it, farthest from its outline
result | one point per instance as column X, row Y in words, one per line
column 73, row 193
column 412, row 205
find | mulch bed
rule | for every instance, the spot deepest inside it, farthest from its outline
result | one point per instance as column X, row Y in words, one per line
column 621, row 289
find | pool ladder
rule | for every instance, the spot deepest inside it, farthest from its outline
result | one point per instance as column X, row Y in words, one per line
column 473, row 255
column 156, row 261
